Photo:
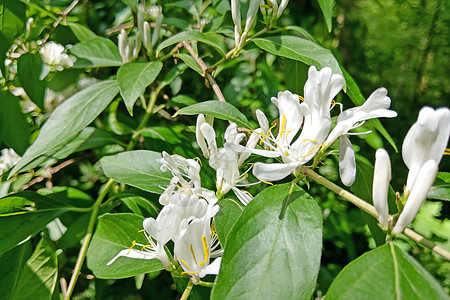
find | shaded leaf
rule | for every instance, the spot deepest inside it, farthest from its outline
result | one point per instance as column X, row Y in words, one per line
column 229, row 213
column 29, row 67
column 96, row 52
column 210, row 40
column 81, row 32
column 327, row 10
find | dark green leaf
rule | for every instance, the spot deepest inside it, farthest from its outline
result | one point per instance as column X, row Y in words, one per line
column 385, row 273
column 138, row 168
column 14, row 129
column 133, row 78
column 29, row 67
column 81, row 32
column 114, row 233
column 139, row 205
column 69, row 118
column 96, row 52
column 217, row 109
column 296, row 48
column 441, row 188
column 274, row 249
column 15, row 227
column 211, row 40
column 190, row 61
column 327, row 9
column 32, row 278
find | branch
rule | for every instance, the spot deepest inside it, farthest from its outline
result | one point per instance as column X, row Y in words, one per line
column 205, row 70
column 371, row 210
column 50, row 172
column 63, row 16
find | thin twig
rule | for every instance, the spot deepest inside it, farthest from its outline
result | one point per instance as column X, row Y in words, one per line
column 205, row 70
column 51, row 171
column 63, row 16
column 371, row 210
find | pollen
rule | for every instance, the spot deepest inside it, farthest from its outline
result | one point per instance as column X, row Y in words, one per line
column 132, row 246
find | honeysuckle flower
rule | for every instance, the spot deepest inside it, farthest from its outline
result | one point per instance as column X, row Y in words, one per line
column 157, row 236
column 194, row 248
column 313, row 114
column 251, row 14
column 277, row 10
column 227, row 160
column 128, row 47
column 52, row 55
column 236, row 16
column 424, row 180
column 8, row 159
column 381, row 179
column 376, row 106
column 426, row 140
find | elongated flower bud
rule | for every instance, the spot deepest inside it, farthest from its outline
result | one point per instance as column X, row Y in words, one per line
column 282, row 6
column 146, row 37
column 157, row 30
column 123, row 44
column 251, row 14
column 424, row 181
column 199, row 135
column 236, row 14
column 381, row 179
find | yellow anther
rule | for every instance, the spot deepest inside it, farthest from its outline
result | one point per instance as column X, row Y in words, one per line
column 447, row 151
column 301, row 98
column 193, row 255
column 205, row 250
column 132, row 245
column 145, row 246
column 308, row 140
column 142, row 230
column 182, row 273
column 185, row 263
column 266, row 182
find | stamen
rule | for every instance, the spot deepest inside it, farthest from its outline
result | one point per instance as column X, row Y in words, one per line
column 205, row 251
column 132, row 245
column 182, row 273
column 301, row 98
column 142, row 230
column 145, row 246
column 193, row 255
column 187, row 266
column 447, row 151
column 266, row 182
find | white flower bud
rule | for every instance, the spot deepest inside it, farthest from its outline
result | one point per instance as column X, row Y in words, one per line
column 157, row 30
column 381, row 179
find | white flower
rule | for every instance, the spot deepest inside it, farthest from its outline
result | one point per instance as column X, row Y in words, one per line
column 8, row 159
column 52, row 55
column 227, row 160
column 314, row 114
column 129, row 47
column 195, row 247
column 426, row 140
column 376, row 106
column 381, row 179
column 424, row 180
column 251, row 14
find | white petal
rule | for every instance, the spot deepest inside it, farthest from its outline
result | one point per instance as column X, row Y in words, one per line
column 347, row 163
column 262, row 121
column 244, row 197
column 425, row 179
column 131, row 253
column 381, row 179
column 199, row 135
column 273, row 172
column 265, row 153
column 212, row 269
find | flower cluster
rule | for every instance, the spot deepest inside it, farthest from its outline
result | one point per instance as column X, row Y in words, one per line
column 186, row 219
column 53, row 55
column 8, row 158
column 422, row 150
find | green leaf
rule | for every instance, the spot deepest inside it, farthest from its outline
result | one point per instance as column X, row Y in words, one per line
column 211, row 40
column 327, row 9
column 296, row 48
column 29, row 278
column 217, row 109
column 69, row 118
column 295, row 75
column 140, row 168
column 16, row 227
column 81, row 32
column 139, row 205
column 441, row 188
column 14, row 129
column 385, row 273
column 96, row 52
column 29, row 67
column 114, row 233
column 358, row 99
column 274, row 249
column 133, row 78
column 229, row 213
column 190, row 61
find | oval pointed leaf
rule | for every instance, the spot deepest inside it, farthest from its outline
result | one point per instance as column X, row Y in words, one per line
column 29, row 67
column 133, row 78
column 96, row 52
column 114, row 233
column 327, row 10
column 69, row 118
column 139, row 168
column 81, row 32
column 385, row 273
column 274, row 249
column 217, row 109
column 296, row 48
column 193, row 36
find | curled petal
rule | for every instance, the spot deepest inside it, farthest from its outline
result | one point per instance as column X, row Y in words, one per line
column 131, row 253
column 381, row 179
column 273, row 172
column 212, row 269
column 424, row 181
